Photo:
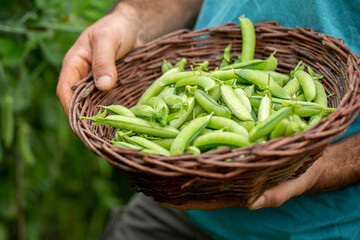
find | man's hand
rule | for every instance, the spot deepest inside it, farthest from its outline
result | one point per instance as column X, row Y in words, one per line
column 96, row 49
column 338, row 167
column 131, row 23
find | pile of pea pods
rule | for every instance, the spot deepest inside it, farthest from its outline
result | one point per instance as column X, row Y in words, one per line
column 243, row 101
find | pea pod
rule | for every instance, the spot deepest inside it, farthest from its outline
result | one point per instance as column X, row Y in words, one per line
column 301, row 108
column 280, row 129
column 210, row 105
column 221, row 138
column 125, row 145
column 248, row 39
column 194, row 150
column 257, row 64
column 264, row 108
column 243, row 98
column 143, row 111
column 171, row 99
column 270, row 63
column 185, row 114
column 292, row 87
column 307, row 84
column 264, row 82
column 119, row 110
column 24, row 143
column 205, row 82
column 156, row 87
column 136, row 125
column 164, row 142
column 267, row 126
column 166, row 66
column 227, row 125
column 228, row 75
column 234, row 103
column 175, row 77
column 321, row 97
column 160, row 107
column 249, row 90
column 280, row 78
column 147, row 144
column 186, row 135
column 248, row 125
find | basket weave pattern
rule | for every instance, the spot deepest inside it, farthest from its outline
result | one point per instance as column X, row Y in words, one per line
column 242, row 173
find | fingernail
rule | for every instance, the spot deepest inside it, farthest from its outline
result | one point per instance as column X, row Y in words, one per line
column 258, row 204
column 103, row 82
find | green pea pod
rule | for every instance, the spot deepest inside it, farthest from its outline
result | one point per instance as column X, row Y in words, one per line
column 267, row 126
column 248, row 39
column 171, row 99
column 292, row 87
column 249, row 90
column 147, row 144
column 175, row 77
column 156, row 87
column 228, row 75
column 248, row 125
column 119, row 110
column 143, row 111
column 235, row 105
column 164, row 142
column 270, row 63
column 166, row 66
column 243, row 98
column 226, row 59
column 23, row 143
column 7, row 121
column 205, row 82
column 301, row 97
column 256, row 64
column 186, row 135
column 307, row 84
column 185, row 114
column 194, row 150
column 125, row 145
column 264, row 82
column 137, row 125
column 215, row 93
column 280, row 78
column 227, row 125
column 321, row 97
column 280, row 129
column 160, row 107
column 265, row 108
column 210, row 105
column 301, row 108
column 221, row 139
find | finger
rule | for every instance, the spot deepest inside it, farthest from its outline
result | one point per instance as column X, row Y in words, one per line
column 74, row 68
column 279, row 194
column 108, row 45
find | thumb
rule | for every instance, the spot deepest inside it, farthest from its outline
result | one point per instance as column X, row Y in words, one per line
column 103, row 64
column 108, row 45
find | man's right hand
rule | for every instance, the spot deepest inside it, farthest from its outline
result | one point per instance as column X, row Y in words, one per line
column 96, row 50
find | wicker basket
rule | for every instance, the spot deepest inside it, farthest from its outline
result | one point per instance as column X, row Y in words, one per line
column 242, row 173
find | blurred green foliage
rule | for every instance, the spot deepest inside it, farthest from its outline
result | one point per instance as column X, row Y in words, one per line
column 51, row 186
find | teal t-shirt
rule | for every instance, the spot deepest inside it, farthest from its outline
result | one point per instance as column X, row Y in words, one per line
column 330, row 215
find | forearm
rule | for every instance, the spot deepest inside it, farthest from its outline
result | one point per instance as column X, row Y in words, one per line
column 339, row 166
column 153, row 18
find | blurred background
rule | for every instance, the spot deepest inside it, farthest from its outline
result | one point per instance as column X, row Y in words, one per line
column 51, row 186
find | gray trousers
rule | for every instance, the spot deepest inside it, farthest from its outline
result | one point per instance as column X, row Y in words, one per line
column 144, row 219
